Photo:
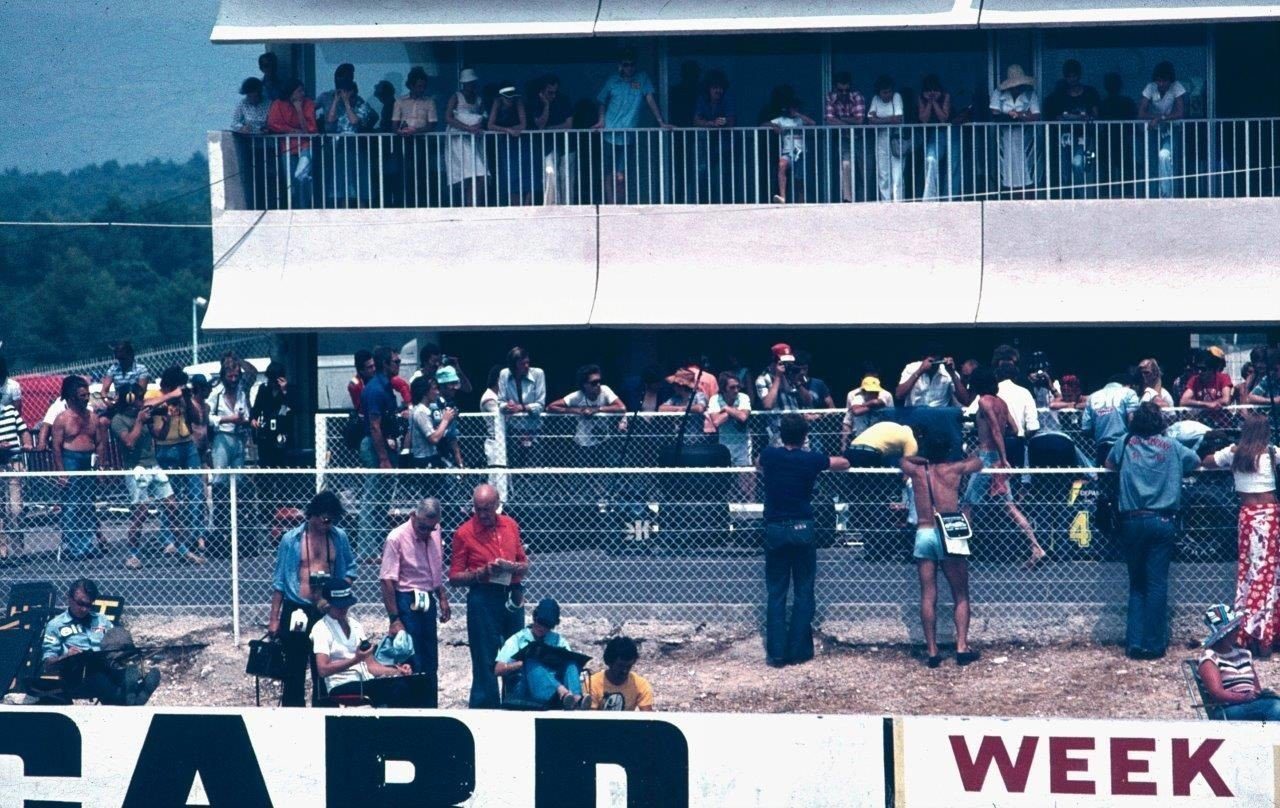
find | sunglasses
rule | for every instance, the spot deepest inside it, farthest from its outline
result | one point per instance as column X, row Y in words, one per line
column 86, row 604
column 593, row 382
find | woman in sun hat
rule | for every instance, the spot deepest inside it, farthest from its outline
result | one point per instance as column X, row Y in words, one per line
column 1227, row 672
column 1015, row 100
column 465, row 118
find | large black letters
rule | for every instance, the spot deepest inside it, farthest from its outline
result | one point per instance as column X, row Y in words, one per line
column 179, row 746
column 654, row 754
column 442, row 751
column 47, row 743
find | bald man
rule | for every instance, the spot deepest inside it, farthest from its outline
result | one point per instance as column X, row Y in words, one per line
column 413, row 591
column 488, row 559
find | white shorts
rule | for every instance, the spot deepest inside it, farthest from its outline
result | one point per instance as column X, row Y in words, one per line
column 148, row 485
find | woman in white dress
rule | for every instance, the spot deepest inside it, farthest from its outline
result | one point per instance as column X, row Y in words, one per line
column 1015, row 100
column 464, row 162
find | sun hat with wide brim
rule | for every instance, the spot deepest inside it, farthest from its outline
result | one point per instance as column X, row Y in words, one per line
column 1015, row 77
column 467, row 76
column 1222, row 622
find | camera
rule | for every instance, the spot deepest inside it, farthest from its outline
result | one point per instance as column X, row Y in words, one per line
column 319, row 581
column 365, row 645
column 445, row 359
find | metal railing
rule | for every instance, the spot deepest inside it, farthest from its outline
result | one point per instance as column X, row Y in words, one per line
column 609, row 544
column 761, row 165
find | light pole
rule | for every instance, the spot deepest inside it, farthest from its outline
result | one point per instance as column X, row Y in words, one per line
column 196, row 304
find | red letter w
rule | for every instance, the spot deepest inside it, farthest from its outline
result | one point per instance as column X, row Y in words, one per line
column 973, row 771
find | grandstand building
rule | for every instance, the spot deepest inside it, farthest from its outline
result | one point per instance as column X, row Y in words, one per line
column 1058, row 233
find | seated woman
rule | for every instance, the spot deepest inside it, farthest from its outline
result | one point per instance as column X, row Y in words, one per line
column 345, row 657
column 541, row 681
column 1227, row 672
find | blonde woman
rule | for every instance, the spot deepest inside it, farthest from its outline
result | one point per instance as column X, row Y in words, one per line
column 1252, row 461
column 1153, row 384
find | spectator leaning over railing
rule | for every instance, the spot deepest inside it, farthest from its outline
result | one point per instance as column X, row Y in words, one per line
column 592, row 400
column 1210, row 388
column 941, row 175
column 1250, row 374
column 812, row 392
column 935, row 486
column 868, row 403
column 523, row 391
column 1267, row 389
column 789, row 472
column 294, row 114
column 787, row 120
column 515, row 172
column 310, row 558
column 1228, row 674
column 15, row 439
column 250, row 116
column 683, row 388
column 1153, row 383
column 10, row 390
column 342, row 112
column 728, row 411
column 413, row 114
column 775, row 391
column 1151, row 467
column 1162, row 102
column 885, row 112
column 1107, row 413
column 75, row 438
column 1252, row 460
column 845, row 107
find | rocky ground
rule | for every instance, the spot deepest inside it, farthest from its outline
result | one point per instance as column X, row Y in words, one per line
column 720, row 668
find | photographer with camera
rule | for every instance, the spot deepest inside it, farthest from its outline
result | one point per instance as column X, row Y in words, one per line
column 310, row 558
column 173, row 419
column 776, row 387
column 932, row 382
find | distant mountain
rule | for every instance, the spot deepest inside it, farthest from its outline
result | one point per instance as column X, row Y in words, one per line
column 65, row 293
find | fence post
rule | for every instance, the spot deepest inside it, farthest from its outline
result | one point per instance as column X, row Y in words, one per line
column 235, row 563
column 322, row 449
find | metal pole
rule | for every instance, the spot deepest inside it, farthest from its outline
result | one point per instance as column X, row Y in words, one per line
column 195, row 335
column 235, row 566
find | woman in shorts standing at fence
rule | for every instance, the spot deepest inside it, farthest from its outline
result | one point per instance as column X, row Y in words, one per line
column 1252, row 461
column 1151, row 467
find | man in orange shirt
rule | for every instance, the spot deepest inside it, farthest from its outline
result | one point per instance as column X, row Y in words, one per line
column 489, row 559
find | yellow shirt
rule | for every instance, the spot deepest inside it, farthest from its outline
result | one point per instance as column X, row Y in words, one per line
column 630, row 695
column 179, row 431
column 889, row 438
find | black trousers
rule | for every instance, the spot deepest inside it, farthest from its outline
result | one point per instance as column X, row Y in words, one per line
column 297, row 654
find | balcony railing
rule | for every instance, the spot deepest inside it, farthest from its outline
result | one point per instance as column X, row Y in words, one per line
column 763, row 165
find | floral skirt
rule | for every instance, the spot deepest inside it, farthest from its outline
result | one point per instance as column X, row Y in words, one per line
column 1257, row 594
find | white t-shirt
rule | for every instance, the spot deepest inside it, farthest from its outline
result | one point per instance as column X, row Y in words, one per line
column 1249, row 482
column 592, row 430
column 1163, row 104
column 792, row 142
column 856, row 398
column 879, row 108
column 1163, row 398
column 1022, row 406
column 1003, row 102
column 730, row 427
column 10, row 393
column 58, row 407
column 327, row 638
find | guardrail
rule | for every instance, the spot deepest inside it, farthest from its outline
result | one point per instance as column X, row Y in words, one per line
column 763, row 165
column 617, row 544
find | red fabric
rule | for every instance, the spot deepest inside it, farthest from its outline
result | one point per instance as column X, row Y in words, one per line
column 1257, row 596
column 1214, row 393
column 38, row 392
column 282, row 118
column 475, row 545
column 355, row 388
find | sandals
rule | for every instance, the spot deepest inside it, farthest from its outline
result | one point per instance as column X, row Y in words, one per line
column 968, row 657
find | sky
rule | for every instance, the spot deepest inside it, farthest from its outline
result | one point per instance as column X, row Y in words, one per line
column 125, row 80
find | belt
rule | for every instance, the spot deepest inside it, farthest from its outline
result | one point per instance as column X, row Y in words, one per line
column 1140, row 513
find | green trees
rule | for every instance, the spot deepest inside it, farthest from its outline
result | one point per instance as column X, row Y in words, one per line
column 66, row 292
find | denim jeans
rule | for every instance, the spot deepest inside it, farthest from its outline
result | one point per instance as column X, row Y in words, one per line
column 375, row 496
column 422, row 628
column 1256, row 710
column 1148, row 542
column 538, row 683
column 228, row 453
column 1161, row 159
column 297, row 655
column 784, row 567
column 489, row 624
column 78, row 522
column 188, row 488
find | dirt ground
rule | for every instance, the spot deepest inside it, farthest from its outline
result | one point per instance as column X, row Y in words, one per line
column 718, row 668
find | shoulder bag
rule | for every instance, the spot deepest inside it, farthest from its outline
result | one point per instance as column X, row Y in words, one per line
column 953, row 527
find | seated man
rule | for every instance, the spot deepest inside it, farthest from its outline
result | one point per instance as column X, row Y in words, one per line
column 72, row 649
column 345, row 657
column 541, row 681
column 616, row 687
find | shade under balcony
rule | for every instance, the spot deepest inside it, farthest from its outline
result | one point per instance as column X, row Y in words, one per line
column 746, row 16
column 400, row 20
column 1024, row 13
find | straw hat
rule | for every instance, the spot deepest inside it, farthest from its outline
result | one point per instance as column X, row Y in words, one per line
column 1015, row 77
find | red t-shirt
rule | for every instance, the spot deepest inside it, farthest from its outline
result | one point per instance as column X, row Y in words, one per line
column 475, row 545
column 1201, row 392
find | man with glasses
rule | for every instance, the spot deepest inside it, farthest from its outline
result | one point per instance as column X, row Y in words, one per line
column 77, row 634
column 489, row 559
column 592, row 398
column 310, row 557
column 412, row 581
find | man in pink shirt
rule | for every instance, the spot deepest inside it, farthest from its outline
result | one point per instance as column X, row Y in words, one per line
column 412, row 579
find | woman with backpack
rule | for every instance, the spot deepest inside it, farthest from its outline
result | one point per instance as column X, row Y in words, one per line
column 1252, row 461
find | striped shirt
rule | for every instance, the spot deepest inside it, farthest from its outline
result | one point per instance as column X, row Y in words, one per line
column 1235, row 667
column 11, row 427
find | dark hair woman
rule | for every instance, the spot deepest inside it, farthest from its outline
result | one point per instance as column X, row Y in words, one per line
column 1252, row 460
column 1151, row 467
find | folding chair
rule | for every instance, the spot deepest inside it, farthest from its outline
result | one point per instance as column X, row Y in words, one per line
column 320, row 693
column 1201, row 702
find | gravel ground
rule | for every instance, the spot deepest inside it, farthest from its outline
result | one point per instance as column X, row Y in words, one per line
column 718, row 668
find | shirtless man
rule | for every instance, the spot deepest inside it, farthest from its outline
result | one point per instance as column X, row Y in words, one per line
column 76, row 434
column 930, row 470
column 993, row 418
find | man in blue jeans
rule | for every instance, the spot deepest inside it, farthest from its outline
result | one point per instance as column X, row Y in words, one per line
column 791, row 554
column 377, row 449
column 413, row 591
column 1151, row 466
column 75, row 437
column 538, row 681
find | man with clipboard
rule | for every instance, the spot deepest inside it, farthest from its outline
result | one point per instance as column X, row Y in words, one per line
column 549, row 671
column 936, row 486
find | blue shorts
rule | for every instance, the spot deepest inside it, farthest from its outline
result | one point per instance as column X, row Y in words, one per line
column 979, row 488
column 929, row 545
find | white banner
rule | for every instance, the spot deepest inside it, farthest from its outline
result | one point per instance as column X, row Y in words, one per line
column 114, row 756
column 960, row 762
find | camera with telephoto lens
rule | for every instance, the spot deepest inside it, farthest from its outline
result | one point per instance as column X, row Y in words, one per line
column 319, row 581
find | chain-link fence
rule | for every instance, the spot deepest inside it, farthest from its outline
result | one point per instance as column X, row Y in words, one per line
column 612, row 544
column 157, row 359
column 643, row 440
